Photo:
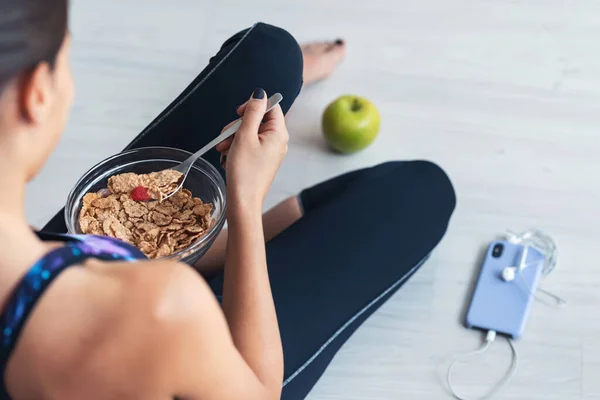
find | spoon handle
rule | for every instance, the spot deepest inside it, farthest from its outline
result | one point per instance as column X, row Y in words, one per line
column 186, row 165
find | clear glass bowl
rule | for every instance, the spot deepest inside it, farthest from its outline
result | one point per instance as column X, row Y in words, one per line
column 204, row 181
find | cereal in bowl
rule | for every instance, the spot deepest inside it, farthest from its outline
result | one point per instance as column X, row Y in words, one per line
column 157, row 227
column 156, row 185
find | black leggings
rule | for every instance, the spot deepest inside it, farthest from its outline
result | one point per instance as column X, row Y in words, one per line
column 362, row 235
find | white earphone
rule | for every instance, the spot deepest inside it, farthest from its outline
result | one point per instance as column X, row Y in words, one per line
column 546, row 246
column 509, row 274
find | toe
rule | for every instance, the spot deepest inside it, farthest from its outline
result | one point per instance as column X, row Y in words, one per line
column 337, row 45
column 337, row 51
column 321, row 58
column 316, row 47
column 333, row 55
column 323, row 47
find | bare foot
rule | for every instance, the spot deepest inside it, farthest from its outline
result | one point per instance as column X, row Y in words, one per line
column 320, row 59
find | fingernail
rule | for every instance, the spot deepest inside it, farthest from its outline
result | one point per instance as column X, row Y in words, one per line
column 258, row 93
column 339, row 42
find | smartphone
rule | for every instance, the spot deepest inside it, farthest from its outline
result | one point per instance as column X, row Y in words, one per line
column 499, row 305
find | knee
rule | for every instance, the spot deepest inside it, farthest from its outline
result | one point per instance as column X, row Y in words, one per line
column 281, row 40
column 270, row 58
column 284, row 52
column 424, row 181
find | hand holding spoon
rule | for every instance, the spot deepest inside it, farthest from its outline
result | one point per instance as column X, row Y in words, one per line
column 186, row 165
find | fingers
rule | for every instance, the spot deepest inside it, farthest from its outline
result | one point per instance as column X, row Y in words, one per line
column 274, row 132
column 274, row 124
column 240, row 110
column 254, row 113
column 228, row 126
column 225, row 144
column 275, row 116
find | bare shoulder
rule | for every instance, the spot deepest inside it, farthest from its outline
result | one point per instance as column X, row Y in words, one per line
column 156, row 296
column 148, row 292
column 156, row 286
column 101, row 323
column 170, row 294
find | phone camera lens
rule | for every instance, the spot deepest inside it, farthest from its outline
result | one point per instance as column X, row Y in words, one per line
column 497, row 250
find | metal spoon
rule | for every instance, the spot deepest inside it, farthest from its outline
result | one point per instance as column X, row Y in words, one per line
column 186, row 165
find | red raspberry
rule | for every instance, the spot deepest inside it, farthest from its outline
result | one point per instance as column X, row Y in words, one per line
column 140, row 193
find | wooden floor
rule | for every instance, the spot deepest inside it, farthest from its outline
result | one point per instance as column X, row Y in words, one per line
column 504, row 94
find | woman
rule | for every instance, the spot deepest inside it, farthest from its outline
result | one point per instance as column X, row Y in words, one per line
column 88, row 318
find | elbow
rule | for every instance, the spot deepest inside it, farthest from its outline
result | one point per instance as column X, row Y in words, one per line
column 272, row 394
column 271, row 390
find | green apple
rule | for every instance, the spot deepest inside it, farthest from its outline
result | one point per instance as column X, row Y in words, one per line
column 350, row 123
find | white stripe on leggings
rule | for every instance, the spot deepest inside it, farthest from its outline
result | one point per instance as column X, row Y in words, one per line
column 351, row 320
column 193, row 90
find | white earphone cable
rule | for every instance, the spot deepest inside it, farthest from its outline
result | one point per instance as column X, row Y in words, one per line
column 491, row 336
column 558, row 300
column 544, row 244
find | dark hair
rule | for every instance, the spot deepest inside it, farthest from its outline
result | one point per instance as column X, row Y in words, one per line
column 31, row 32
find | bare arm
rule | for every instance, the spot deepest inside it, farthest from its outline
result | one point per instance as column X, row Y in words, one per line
column 250, row 355
column 196, row 357
column 254, row 156
column 247, row 299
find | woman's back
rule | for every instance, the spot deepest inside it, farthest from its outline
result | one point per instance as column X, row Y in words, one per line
column 95, row 329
